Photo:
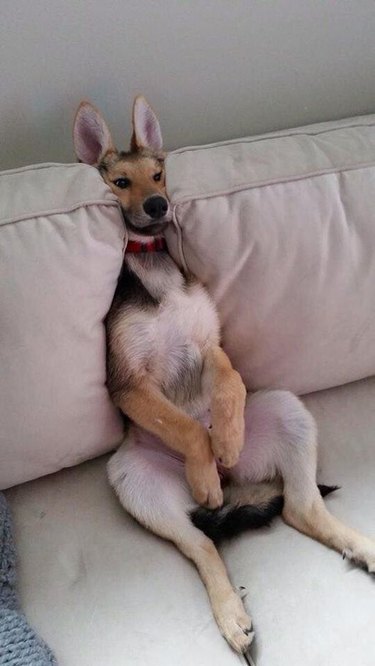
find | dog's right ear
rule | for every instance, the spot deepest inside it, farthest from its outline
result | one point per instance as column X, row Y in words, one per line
column 91, row 136
column 146, row 128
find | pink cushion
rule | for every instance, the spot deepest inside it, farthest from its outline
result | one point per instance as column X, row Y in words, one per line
column 281, row 228
column 61, row 242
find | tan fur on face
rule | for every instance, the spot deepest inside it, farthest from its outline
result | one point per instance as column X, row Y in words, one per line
column 140, row 167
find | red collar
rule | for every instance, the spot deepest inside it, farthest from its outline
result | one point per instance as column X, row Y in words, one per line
column 156, row 245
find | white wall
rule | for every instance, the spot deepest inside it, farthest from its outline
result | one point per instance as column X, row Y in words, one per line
column 213, row 69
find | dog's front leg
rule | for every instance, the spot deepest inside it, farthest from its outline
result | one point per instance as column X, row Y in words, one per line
column 151, row 410
column 228, row 396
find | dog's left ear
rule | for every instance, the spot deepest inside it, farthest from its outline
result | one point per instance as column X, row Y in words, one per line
column 146, row 128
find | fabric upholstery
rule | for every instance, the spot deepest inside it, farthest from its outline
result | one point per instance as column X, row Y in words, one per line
column 102, row 590
column 61, row 243
column 281, row 229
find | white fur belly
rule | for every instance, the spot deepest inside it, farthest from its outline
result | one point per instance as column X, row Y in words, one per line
column 186, row 326
column 169, row 342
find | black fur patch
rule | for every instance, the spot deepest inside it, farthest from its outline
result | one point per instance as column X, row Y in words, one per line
column 326, row 490
column 130, row 289
column 229, row 521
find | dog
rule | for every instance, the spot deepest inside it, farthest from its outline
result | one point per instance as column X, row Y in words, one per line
column 194, row 430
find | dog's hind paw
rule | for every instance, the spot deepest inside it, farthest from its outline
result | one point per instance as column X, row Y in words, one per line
column 362, row 555
column 235, row 624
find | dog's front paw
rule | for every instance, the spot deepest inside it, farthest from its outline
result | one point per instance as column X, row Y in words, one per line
column 228, row 422
column 204, row 482
column 227, row 446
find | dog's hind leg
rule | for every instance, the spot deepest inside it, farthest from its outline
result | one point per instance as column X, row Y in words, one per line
column 151, row 486
column 281, row 438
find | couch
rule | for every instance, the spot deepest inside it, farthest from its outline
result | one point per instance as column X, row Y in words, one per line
column 281, row 229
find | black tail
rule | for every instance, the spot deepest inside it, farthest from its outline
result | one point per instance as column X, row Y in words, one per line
column 326, row 490
column 229, row 521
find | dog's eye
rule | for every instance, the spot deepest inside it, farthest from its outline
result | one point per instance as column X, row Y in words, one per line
column 122, row 183
column 157, row 176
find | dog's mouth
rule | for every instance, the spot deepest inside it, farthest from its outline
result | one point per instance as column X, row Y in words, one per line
column 146, row 228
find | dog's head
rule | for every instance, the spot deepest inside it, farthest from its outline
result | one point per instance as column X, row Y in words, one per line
column 136, row 176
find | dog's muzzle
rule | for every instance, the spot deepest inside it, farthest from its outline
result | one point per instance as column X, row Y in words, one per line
column 156, row 207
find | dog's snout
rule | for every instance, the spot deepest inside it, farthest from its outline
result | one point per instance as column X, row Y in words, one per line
column 156, row 207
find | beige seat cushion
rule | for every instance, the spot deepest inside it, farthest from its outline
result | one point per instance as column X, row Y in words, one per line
column 102, row 590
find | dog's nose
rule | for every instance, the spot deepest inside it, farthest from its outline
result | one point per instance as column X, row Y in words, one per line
column 156, row 207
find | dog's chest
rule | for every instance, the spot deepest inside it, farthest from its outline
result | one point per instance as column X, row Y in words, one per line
column 186, row 317
column 166, row 331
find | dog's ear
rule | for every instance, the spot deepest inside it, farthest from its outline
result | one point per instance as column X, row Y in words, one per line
column 146, row 128
column 91, row 136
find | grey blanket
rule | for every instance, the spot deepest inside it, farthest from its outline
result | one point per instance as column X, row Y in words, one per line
column 19, row 644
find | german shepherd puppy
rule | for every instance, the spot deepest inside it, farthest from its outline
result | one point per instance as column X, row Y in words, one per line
column 193, row 427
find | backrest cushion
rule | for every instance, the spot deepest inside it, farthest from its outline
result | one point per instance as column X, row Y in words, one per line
column 281, row 229
column 61, row 246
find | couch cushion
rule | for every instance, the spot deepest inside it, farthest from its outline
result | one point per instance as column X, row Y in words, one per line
column 102, row 590
column 309, row 606
column 98, row 587
column 281, row 228
column 61, row 242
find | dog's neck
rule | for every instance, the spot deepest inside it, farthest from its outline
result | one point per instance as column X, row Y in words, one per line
column 139, row 238
column 145, row 245
column 149, row 259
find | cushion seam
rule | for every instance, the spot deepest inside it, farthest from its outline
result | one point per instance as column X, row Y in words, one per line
column 276, row 181
column 180, row 241
column 57, row 211
column 42, row 165
column 264, row 137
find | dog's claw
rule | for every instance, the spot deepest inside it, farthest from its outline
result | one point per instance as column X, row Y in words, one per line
column 360, row 559
column 242, row 591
